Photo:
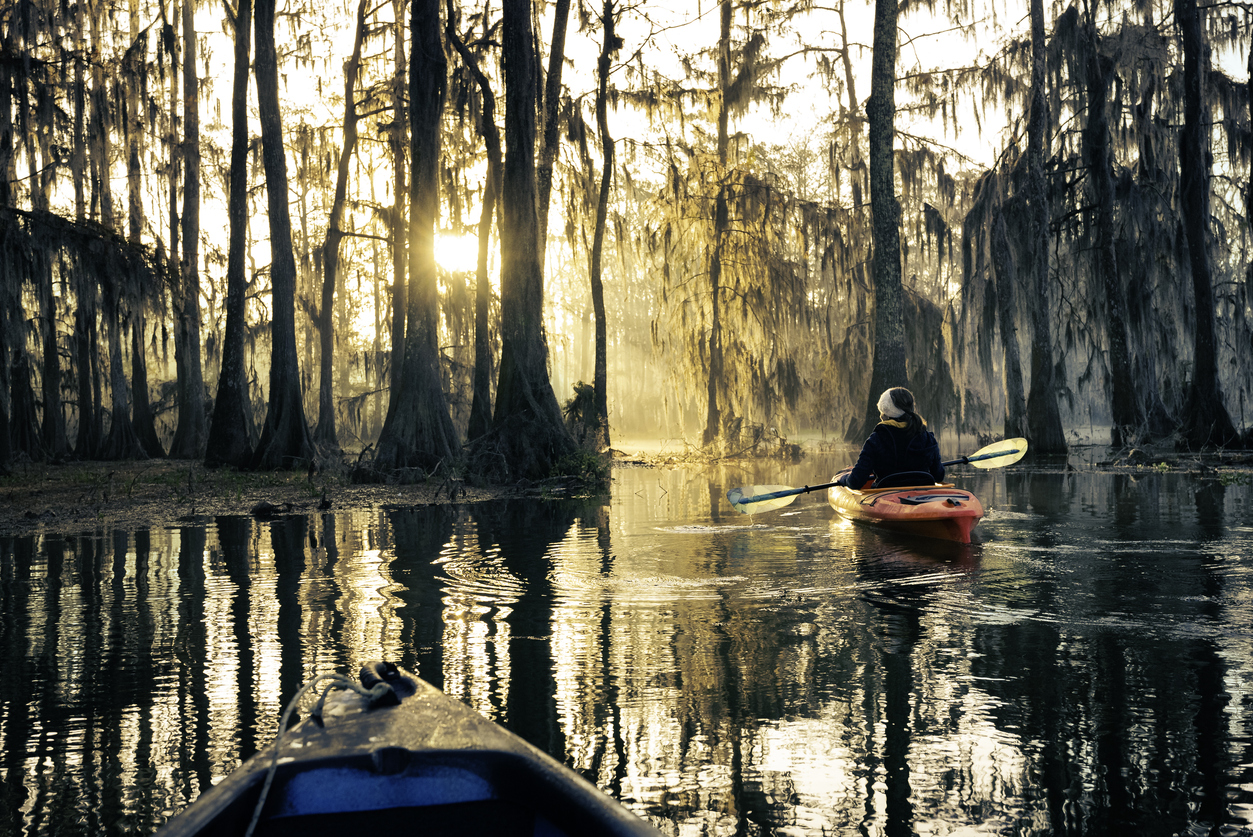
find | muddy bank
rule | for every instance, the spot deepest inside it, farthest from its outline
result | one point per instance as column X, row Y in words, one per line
column 84, row 496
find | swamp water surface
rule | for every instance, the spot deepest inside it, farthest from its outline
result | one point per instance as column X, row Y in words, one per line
column 1087, row 669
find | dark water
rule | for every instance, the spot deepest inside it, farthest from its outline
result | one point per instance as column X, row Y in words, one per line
column 1088, row 669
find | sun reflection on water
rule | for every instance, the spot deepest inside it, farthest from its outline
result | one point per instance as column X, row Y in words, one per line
column 801, row 673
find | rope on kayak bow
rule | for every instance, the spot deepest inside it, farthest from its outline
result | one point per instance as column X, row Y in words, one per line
column 379, row 694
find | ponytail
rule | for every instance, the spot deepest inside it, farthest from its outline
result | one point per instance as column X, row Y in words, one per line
column 914, row 424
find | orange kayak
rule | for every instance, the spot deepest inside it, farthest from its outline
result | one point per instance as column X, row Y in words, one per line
column 931, row 511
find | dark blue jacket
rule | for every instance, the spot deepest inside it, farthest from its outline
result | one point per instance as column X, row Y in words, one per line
column 889, row 451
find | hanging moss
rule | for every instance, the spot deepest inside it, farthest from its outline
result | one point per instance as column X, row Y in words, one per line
column 90, row 260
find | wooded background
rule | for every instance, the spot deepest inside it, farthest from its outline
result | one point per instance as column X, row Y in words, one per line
column 227, row 230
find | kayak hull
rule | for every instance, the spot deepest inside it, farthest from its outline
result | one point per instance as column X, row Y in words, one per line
column 929, row 511
column 427, row 765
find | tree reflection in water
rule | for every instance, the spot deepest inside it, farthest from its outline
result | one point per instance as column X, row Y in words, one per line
column 1082, row 671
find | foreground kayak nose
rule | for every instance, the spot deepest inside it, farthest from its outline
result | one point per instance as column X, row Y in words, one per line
column 394, row 755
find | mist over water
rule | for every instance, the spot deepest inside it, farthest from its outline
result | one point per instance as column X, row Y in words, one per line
column 1084, row 669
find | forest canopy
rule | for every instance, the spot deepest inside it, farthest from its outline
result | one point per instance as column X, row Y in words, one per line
column 427, row 232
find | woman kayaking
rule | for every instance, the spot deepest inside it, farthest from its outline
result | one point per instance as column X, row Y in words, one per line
column 900, row 442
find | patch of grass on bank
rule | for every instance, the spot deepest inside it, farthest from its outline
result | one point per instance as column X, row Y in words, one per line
column 584, row 465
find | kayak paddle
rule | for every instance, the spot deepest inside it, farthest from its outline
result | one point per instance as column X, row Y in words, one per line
column 752, row 499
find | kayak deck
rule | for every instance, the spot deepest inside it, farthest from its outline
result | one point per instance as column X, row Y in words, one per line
column 932, row 511
column 427, row 765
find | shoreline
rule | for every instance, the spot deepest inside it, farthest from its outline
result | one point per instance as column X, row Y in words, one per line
column 78, row 497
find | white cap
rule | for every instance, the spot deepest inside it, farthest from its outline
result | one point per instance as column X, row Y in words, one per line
column 888, row 407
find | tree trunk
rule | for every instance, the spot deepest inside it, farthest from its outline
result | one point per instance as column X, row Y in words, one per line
column 142, row 419
column 87, row 444
column 171, row 264
column 101, row 121
column 10, row 305
column 713, row 396
column 481, row 400
column 1128, row 417
column 846, row 55
column 285, row 441
column 600, row 383
column 122, row 441
column 6, row 390
column 551, row 107
column 304, row 286
column 8, row 146
column 528, row 434
column 1043, row 417
column 38, row 132
column 17, row 419
column 324, row 434
column 24, row 414
column 887, row 367
column 17, row 403
column 399, row 229
column 418, row 431
column 189, row 437
column 230, row 433
column 1007, row 299
column 79, row 152
column 376, row 421
column 86, row 316
column 133, row 74
column 713, row 412
column 1206, row 421
column 133, row 70
column 40, row 128
column 52, row 433
column 1248, row 214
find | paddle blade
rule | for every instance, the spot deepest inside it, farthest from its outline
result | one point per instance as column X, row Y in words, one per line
column 999, row 454
column 752, row 499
